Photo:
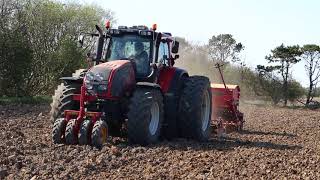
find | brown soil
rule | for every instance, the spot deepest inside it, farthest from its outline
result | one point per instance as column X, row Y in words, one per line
column 275, row 143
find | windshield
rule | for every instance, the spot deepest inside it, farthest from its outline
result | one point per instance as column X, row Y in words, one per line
column 132, row 47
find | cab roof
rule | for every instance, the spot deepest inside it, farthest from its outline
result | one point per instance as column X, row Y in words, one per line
column 139, row 29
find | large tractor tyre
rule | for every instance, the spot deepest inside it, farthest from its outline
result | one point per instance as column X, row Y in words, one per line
column 145, row 116
column 170, row 128
column 99, row 134
column 71, row 134
column 63, row 97
column 63, row 100
column 58, row 131
column 195, row 109
column 85, row 132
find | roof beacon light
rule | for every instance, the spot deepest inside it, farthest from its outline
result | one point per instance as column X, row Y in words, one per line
column 154, row 27
column 108, row 24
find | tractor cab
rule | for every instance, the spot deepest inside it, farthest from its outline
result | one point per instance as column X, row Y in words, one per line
column 147, row 49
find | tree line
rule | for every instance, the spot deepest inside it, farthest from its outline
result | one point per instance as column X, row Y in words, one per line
column 280, row 62
column 272, row 82
column 38, row 43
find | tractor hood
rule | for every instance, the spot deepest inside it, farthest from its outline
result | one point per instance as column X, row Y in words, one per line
column 111, row 79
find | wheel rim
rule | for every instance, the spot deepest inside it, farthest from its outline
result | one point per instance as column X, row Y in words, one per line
column 154, row 121
column 205, row 111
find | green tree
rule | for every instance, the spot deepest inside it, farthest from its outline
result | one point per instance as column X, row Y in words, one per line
column 295, row 90
column 15, row 50
column 311, row 57
column 282, row 58
column 223, row 48
column 39, row 36
column 53, row 26
column 268, row 84
column 15, row 55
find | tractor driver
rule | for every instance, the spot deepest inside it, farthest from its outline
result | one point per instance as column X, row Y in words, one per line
column 141, row 58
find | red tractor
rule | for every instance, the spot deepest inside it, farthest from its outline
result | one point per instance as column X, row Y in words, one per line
column 131, row 88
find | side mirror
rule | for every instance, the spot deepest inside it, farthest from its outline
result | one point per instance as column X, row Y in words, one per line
column 175, row 47
column 80, row 40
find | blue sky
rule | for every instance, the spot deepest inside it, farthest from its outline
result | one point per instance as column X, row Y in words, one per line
column 260, row 25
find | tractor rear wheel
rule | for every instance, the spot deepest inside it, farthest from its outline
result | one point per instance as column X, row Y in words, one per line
column 63, row 98
column 99, row 134
column 85, row 132
column 58, row 131
column 145, row 116
column 195, row 109
column 70, row 134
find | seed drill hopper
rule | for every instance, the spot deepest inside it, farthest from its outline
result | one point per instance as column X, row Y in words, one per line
column 225, row 115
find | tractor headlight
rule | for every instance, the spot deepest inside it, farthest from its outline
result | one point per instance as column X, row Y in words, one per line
column 114, row 31
column 95, row 83
column 89, row 80
column 102, row 87
column 98, row 77
column 145, row 33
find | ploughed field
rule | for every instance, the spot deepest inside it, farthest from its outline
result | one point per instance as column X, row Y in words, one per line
column 276, row 142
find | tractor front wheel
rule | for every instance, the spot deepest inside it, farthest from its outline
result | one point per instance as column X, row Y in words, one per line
column 145, row 116
column 59, row 128
column 99, row 134
column 195, row 108
column 70, row 134
column 85, row 132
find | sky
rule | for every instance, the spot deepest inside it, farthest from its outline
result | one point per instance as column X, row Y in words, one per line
column 260, row 25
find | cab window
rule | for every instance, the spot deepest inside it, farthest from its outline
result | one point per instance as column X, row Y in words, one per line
column 163, row 53
column 132, row 47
